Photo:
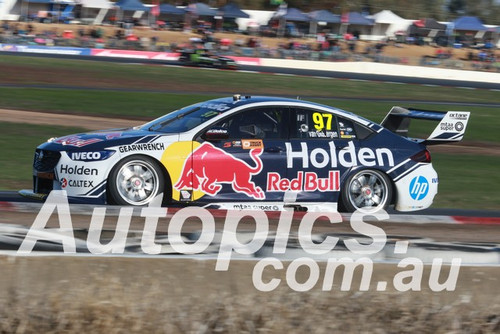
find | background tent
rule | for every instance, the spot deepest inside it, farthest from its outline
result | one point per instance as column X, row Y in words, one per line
column 355, row 23
column 387, row 23
column 356, row 18
column 229, row 13
column 95, row 3
column 195, row 11
column 58, row 9
column 469, row 23
column 257, row 18
column 470, row 29
column 65, row 10
column 94, row 11
column 171, row 10
column 284, row 15
column 427, row 28
column 171, row 16
column 496, row 36
column 201, row 9
column 323, row 18
column 32, row 7
column 232, row 11
column 131, row 5
column 292, row 14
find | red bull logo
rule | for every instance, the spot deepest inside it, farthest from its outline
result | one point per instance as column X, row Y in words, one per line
column 308, row 181
column 208, row 167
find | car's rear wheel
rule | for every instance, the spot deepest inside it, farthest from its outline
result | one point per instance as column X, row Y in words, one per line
column 367, row 191
column 135, row 181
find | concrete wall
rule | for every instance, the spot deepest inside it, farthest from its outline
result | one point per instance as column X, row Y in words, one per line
column 386, row 69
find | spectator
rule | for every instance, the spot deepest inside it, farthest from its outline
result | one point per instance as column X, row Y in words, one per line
column 449, row 53
column 352, row 45
column 99, row 32
column 251, row 42
column 5, row 26
column 119, row 34
column 439, row 53
column 482, row 55
column 379, row 47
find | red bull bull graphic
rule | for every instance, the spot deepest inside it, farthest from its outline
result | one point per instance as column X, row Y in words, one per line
column 208, row 167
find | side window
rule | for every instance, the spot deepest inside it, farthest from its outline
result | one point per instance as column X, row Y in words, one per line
column 346, row 129
column 314, row 124
column 353, row 130
column 262, row 123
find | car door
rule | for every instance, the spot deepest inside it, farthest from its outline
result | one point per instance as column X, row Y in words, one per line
column 235, row 167
column 320, row 152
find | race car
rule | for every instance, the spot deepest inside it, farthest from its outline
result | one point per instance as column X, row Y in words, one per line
column 204, row 58
column 258, row 153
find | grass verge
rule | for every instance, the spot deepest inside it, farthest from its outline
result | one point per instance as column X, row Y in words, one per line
column 148, row 105
column 94, row 74
column 467, row 181
column 17, row 146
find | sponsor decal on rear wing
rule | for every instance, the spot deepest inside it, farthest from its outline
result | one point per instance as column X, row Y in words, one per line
column 451, row 127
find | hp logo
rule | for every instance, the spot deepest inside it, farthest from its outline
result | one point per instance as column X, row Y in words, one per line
column 419, row 187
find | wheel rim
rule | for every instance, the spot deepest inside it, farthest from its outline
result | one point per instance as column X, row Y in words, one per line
column 137, row 182
column 368, row 191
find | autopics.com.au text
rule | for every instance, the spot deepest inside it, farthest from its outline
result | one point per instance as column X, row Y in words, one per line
column 359, row 254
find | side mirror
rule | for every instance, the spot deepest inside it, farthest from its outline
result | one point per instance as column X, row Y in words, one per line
column 216, row 134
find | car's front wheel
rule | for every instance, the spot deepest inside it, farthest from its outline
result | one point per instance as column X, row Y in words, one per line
column 367, row 191
column 135, row 181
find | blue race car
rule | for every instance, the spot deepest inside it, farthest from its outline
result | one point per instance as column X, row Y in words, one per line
column 252, row 153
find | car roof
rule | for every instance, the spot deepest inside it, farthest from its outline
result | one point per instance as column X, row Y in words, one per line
column 241, row 100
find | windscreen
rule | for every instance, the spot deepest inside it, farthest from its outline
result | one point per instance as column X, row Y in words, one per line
column 186, row 118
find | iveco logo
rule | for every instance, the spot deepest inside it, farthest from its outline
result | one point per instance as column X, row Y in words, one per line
column 419, row 187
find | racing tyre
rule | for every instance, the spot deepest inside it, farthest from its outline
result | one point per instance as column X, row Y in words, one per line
column 367, row 191
column 135, row 181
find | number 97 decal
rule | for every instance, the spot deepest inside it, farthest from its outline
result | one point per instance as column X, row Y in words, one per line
column 322, row 121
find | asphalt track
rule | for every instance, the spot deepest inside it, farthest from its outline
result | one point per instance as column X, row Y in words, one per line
column 13, row 196
column 286, row 71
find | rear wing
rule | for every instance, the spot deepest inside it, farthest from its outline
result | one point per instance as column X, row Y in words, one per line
column 451, row 127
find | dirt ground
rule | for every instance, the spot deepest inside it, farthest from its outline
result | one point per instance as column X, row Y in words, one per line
column 86, row 122
column 112, row 294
